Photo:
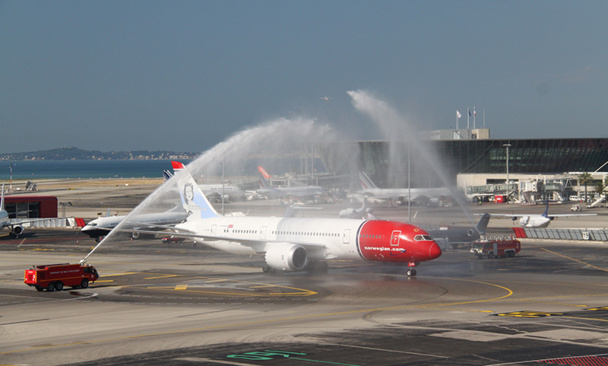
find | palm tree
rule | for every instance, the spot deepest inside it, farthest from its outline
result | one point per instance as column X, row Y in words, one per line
column 600, row 187
column 585, row 178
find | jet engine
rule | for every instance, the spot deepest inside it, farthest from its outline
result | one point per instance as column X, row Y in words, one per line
column 17, row 230
column 286, row 257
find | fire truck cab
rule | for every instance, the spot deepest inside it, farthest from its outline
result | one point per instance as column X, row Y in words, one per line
column 496, row 248
column 55, row 276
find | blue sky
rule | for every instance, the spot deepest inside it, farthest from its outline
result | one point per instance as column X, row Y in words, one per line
column 185, row 75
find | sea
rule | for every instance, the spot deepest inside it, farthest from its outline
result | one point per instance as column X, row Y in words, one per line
column 82, row 169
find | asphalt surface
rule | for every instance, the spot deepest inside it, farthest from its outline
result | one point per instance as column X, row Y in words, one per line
column 182, row 304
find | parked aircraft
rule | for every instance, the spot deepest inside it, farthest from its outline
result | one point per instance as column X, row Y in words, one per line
column 285, row 192
column 231, row 192
column 363, row 212
column 419, row 195
column 15, row 227
column 455, row 236
column 102, row 226
column 297, row 244
column 537, row 221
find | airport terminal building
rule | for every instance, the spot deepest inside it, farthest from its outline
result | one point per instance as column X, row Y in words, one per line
column 472, row 160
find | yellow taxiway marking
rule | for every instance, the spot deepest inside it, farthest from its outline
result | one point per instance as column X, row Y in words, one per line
column 263, row 286
column 219, row 280
column 164, row 276
column 119, row 274
column 553, row 303
column 237, row 292
column 104, row 281
column 529, row 314
column 583, row 318
column 576, row 260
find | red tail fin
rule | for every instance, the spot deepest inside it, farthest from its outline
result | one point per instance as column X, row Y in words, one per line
column 263, row 172
column 177, row 165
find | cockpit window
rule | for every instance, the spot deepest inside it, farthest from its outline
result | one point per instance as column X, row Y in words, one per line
column 422, row 237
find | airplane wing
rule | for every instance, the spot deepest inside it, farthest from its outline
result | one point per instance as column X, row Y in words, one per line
column 567, row 215
column 13, row 222
column 514, row 216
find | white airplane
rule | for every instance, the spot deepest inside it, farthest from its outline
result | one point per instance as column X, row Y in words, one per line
column 15, row 227
column 215, row 191
column 537, row 221
column 355, row 213
column 297, row 244
column 102, row 226
column 370, row 190
column 285, row 192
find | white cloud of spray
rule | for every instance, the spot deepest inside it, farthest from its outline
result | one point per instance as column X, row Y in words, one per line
column 404, row 138
column 276, row 138
column 271, row 139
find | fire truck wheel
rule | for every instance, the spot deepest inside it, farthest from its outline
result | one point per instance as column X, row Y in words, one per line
column 51, row 287
column 39, row 288
column 490, row 255
column 59, row 286
column 84, row 283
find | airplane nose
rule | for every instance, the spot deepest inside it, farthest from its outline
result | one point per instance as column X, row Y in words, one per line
column 434, row 251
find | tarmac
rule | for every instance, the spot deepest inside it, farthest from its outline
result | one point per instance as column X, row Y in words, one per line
column 184, row 304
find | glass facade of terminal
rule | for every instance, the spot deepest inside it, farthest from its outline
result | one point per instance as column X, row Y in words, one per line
column 525, row 156
column 388, row 165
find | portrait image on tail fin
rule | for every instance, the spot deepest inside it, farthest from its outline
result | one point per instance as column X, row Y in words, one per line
column 193, row 200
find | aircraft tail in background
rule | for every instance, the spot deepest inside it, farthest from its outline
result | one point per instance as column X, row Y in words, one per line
column 366, row 183
column 263, row 177
column 176, row 165
column 546, row 213
column 264, row 173
column 2, row 200
column 482, row 225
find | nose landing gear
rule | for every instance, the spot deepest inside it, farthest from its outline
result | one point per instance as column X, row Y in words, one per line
column 411, row 271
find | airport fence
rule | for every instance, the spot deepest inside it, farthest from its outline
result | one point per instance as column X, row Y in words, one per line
column 562, row 234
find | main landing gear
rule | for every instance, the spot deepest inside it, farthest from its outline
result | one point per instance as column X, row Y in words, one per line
column 313, row 267
column 317, row 267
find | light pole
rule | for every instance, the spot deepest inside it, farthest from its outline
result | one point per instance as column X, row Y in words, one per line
column 507, row 146
column 64, row 204
column 10, row 167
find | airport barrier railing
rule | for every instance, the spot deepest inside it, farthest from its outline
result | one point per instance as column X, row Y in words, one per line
column 562, row 234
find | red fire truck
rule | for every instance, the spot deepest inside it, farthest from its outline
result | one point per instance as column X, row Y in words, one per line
column 496, row 248
column 54, row 276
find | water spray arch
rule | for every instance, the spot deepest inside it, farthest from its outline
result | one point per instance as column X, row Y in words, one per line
column 271, row 139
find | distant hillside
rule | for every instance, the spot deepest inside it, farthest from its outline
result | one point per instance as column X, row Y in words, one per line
column 74, row 153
